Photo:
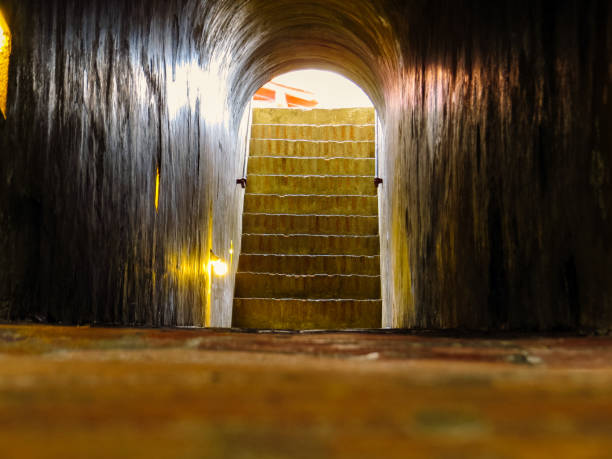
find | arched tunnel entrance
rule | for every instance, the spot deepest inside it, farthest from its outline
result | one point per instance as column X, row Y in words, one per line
column 310, row 245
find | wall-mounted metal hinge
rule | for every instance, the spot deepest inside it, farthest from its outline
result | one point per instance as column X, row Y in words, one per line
column 377, row 181
column 242, row 182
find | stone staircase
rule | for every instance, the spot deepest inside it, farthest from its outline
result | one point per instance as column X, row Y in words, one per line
column 310, row 247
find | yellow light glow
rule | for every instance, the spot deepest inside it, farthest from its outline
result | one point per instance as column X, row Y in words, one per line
column 5, row 53
column 219, row 267
column 157, row 191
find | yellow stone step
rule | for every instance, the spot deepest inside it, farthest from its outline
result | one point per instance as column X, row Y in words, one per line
column 337, row 132
column 310, row 264
column 295, row 314
column 311, row 184
column 309, row 224
column 310, row 166
column 308, row 148
column 308, row 244
column 311, row 286
column 316, row 116
column 310, row 204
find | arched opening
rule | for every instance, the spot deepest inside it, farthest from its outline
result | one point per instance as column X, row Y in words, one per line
column 307, row 37
column 5, row 54
column 310, row 254
column 311, row 88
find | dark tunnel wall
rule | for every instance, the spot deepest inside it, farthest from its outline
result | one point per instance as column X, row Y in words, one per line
column 495, row 155
column 498, row 166
column 102, row 95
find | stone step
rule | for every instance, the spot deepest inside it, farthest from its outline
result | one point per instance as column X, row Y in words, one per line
column 295, row 314
column 310, row 244
column 311, row 184
column 309, row 224
column 308, row 148
column 307, row 244
column 316, row 116
column 310, row 204
column 310, row 264
column 337, row 132
column 311, row 286
column 279, row 165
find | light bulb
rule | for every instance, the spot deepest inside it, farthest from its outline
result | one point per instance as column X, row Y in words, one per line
column 219, row 267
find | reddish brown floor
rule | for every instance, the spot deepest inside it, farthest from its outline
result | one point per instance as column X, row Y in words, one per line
column 100, row 392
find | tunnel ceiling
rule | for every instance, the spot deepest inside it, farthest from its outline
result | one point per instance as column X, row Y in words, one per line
column 260, row 40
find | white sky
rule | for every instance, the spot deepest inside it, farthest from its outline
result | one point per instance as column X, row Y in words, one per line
column 331, row 89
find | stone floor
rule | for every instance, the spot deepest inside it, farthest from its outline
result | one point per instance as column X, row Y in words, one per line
column 187, row 393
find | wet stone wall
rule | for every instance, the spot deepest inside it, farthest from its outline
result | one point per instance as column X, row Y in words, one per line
column 498, row 167
column 495, row 149
column 102, row 96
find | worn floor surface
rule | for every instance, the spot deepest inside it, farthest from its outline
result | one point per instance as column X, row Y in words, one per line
column 103, row 393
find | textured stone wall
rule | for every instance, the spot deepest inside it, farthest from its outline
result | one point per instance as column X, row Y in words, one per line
column 495, row 151
column 103, row 94
column 498, row 155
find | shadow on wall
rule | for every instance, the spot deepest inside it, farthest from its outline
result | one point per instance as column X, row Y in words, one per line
column 496, row 158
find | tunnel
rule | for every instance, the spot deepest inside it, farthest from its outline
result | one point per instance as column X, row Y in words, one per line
column 125, row 131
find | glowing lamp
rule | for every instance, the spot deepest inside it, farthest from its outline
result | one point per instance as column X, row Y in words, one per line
column 1, row 36
column 219, row 266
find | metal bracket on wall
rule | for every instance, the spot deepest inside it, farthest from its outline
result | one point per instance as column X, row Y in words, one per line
column 242, row 182
column 377, row 181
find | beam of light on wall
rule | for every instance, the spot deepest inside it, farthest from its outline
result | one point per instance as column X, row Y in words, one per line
column 191, row 269
column 180, row 90
column 187, row 270
column 5, row 53
column 191, row 83
column 328, row 89
column 157, row 190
